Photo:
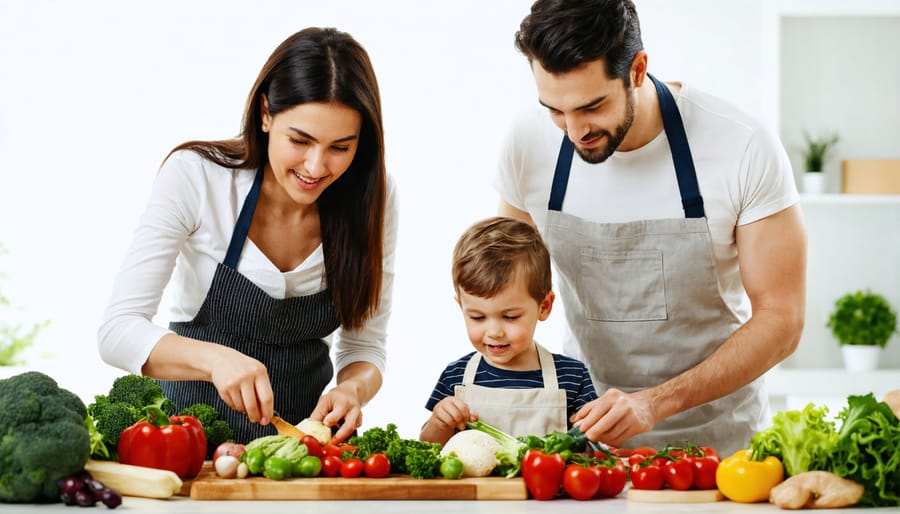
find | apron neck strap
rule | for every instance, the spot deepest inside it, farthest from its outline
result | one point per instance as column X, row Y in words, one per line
column 691, row 200
column 548, row 368
column 242, row 226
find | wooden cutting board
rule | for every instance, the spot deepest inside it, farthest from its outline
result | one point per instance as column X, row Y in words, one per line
column 208, row 486
column 672, row 496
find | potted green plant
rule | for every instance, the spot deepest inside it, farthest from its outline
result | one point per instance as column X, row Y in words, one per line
column 14, row 338
column 863, row 323
column 815, row 150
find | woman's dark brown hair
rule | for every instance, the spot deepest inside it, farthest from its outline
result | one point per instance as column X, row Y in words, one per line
column 326, row 65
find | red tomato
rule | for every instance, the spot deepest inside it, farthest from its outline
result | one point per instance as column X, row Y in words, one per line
column 331, row 466
column 679, row 474
column 543, row 473
column 612, row 480
column 648, row 477
column 229, row 448
column 646, row 451
column 705, row 472
column 377, row 465
column 662, row 462
column 580, row 482
column 332, row 450
column 313, row 445
column 352, row 468
column 709, row 452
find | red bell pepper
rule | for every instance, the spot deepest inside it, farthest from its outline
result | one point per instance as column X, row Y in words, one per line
column 543, row 473
column 177, row 444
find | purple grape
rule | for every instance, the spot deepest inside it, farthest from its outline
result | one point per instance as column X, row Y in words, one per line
column 68, row 499
column 70, row 485
column 85, row 498
column 94, row 487
column 111, row 498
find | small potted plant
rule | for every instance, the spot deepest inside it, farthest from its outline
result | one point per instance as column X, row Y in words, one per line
column 814, row 152
column 862, row 322
column 14, row 338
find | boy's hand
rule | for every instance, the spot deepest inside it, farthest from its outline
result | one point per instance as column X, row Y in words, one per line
column 452, row 413
column 448, row 416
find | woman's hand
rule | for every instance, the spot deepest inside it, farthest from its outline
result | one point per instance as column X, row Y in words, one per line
column 340, row 405
column 357, row 384
column 243, row 383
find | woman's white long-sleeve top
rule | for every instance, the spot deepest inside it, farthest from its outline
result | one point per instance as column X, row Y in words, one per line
column 183, row 235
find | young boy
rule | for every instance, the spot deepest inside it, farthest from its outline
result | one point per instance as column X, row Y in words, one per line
column 502, row 279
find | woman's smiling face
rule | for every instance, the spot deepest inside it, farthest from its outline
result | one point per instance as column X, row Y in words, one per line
column 311, row 146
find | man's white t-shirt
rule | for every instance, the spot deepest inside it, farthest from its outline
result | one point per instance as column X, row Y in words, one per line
column 743, row 173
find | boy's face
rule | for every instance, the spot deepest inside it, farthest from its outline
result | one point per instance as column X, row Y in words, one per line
column 502, row 328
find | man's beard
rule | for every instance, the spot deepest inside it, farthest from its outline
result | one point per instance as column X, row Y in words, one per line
column 600, row 154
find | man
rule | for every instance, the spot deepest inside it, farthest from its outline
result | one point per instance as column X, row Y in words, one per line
column 679, row 244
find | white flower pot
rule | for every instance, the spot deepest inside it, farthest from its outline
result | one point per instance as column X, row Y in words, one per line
column 814, row 182
column 860, row 358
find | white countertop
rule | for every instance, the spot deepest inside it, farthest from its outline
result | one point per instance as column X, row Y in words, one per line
column 603, row 506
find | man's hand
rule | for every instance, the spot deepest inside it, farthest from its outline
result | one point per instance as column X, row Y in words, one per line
column 615, row 417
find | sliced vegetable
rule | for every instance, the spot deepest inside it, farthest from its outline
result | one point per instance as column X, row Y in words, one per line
column 316, row 429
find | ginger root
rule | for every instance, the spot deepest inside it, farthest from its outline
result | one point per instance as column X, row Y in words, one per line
column 892, row 398
column 816, row 490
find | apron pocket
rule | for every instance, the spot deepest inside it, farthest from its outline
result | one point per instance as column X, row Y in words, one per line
column 626, row 285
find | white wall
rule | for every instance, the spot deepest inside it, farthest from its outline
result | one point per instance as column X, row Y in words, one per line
column 93, row 94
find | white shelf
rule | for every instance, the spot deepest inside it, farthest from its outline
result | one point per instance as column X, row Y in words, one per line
column 840, row 198
column 785, row 382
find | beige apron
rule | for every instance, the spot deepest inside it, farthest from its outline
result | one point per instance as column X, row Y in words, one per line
column 518, row 412
column 643, row 305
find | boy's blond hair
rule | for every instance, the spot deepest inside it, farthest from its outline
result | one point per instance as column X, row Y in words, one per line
column 490, row 254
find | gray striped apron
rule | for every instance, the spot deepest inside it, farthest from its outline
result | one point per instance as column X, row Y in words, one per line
column 284, row 334
column 642, row 301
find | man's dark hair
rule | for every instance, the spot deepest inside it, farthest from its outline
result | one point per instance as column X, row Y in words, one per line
column 565, row 34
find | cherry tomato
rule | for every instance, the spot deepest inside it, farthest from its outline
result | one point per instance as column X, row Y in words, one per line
column 352, row 468
column 580, row 482
column 309, row 466
column 705, row 472
column 646, row 451
column 679, row 474
column 377, row 465
column 648, row 478
column 313, row 445
column 331, row 466
column 662, row 462
column 709, row 452
column 612, row 480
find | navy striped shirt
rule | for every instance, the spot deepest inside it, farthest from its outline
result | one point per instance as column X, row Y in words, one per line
column 571, row 374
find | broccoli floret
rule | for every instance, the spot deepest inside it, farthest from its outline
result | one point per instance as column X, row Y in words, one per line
column 421, row 459
column 374, row 440
column 139, row 391
column 43, row 439
column 122, row 407
column 217, row 430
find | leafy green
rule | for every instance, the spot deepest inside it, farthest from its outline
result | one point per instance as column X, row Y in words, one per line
column 418, row 459
column 801, row 439
column 867, row 450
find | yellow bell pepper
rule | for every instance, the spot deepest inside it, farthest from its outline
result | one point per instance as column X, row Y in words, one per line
column 743, row 480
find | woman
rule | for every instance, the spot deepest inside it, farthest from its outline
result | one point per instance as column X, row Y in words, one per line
column 277, row 239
